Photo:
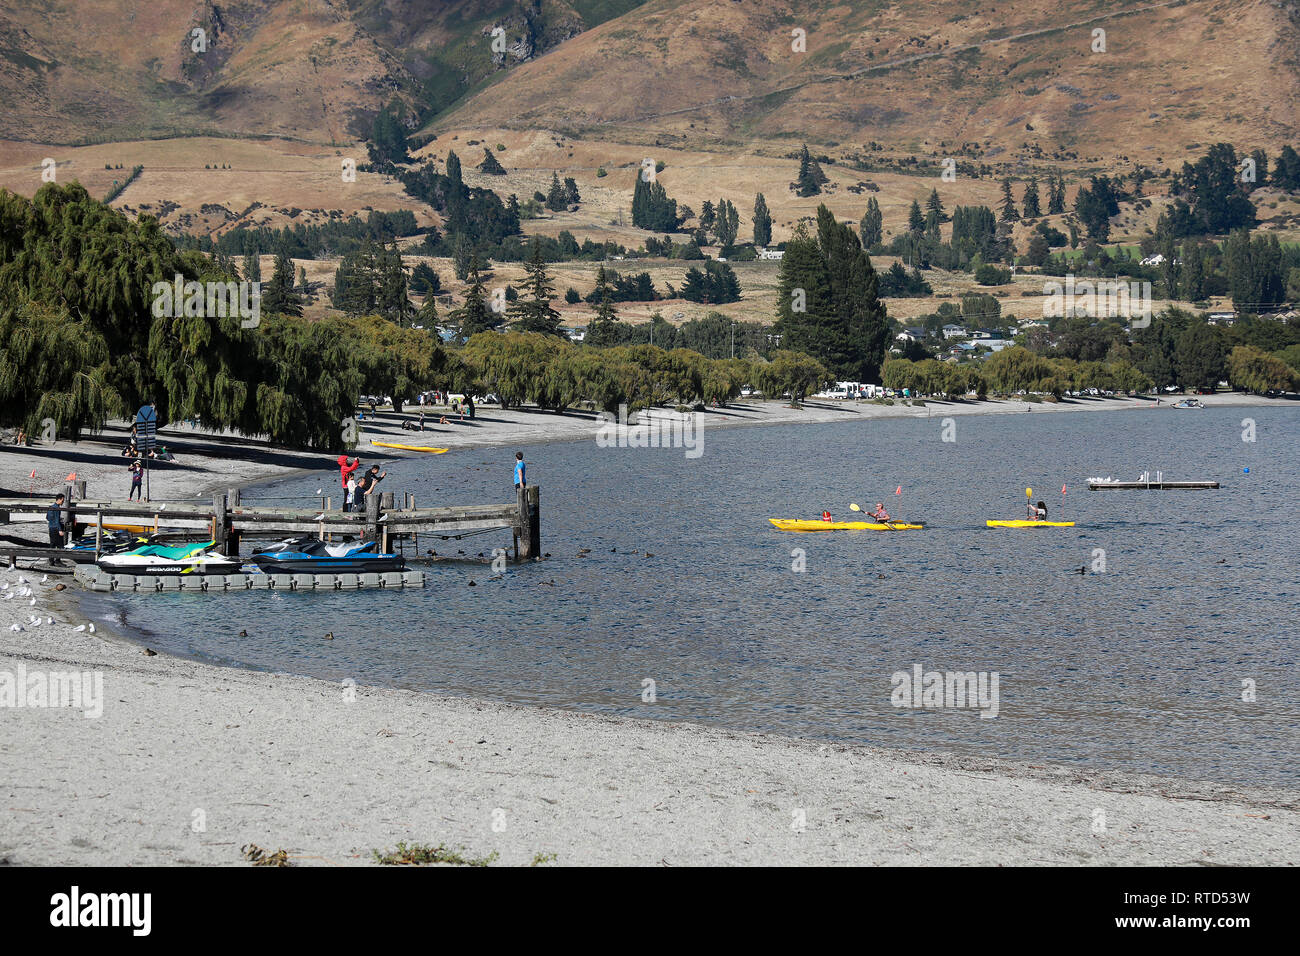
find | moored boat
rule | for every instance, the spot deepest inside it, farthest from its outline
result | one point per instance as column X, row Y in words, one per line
column 310, row 555
column 196, row 558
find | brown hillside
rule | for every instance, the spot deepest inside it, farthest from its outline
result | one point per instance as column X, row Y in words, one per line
column 1013, row 81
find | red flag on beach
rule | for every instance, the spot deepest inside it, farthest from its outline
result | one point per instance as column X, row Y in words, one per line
column 898, row 490
column 71, row 477
column 1062, row 489
column 33, row 474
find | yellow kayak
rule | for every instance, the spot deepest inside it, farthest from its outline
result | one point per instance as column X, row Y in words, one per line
column 435, row 451
column 1026, row 523
column 799, row 524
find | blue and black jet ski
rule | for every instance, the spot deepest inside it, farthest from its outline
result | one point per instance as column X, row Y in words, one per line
column 309, row 555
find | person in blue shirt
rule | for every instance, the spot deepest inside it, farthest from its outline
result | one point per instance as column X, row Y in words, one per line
column 520, row 480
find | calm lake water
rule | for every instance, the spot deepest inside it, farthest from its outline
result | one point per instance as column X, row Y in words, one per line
column 1141, row 667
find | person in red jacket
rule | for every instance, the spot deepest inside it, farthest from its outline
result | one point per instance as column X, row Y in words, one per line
column 346, row 467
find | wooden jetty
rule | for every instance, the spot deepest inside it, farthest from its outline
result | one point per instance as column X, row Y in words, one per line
column 228, row 520
column 91, row 577
column 1159, row 484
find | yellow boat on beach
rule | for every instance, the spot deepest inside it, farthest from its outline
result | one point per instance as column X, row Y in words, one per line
column 434, row 451
column 800, row 524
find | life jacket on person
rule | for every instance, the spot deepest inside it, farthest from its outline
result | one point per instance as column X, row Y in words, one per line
column 826, row 516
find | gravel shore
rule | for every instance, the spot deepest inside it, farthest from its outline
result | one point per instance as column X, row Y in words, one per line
column 189, row 762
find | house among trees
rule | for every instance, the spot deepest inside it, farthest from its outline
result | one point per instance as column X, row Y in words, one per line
column 951, row 331
column 776, row 254
column 1222, row 318
column 911, row 334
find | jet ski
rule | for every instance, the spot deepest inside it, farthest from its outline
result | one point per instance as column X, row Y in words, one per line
column 82, row 550
column 181, row 559
column 309, row 555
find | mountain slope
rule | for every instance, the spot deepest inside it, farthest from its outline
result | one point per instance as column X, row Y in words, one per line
column 1007, row 80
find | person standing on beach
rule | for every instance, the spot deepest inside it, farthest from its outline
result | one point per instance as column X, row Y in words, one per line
column 469, row 405
column 137, row 476
column 54, row 521
column 521, row 480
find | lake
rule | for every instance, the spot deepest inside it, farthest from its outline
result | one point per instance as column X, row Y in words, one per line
column 1174, row 653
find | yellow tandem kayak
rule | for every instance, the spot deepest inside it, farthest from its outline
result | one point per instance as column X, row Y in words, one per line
column 435, row 451
column 1026, row 523
column 800, row 524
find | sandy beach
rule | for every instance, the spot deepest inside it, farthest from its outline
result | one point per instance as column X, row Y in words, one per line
column 188, row 762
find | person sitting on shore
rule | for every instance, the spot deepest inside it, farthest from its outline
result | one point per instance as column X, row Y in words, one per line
column 880, row 514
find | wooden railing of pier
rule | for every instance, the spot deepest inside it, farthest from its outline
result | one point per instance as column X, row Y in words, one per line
column 228, row 520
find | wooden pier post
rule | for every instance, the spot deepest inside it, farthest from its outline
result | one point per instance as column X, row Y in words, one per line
column 70, row 522
column 80, row 486
column 232, row 536
column 219, row 524
column 372, row 516
column 529, row 547
column 99, row 531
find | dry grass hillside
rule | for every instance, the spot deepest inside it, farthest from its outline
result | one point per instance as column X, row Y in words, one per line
column 1008, row 81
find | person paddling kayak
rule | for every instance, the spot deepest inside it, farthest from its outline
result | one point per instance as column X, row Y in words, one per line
column 880, row 514
column 1036, row 512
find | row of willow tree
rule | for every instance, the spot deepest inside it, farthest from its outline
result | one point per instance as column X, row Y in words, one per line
column 80, row 344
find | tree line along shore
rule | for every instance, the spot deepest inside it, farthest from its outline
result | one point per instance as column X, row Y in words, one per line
column 82, row 341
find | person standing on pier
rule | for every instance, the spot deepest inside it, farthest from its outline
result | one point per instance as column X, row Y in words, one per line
column 54, row 521
column 346, row 467
column 367, row 485
column 137, row 476
column 521, row 480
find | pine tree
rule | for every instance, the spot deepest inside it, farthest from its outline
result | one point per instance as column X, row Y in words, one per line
column 1008, row 213
column 762, row 222
column 462, row 252
column 474, row 315
column 915, row 219
column 811, row 177
column 533, row 312
column 861, row 323
column 707, row 215
column 871, row 229
column 394, row 303
column 490, row 166
column 571, row 194
column 427, row 317
column 602, row 330
column 805, row 308
column 1030, row 201
column 279, row 296
column 453, row 171
column 935, row 205
column 1056, row 195
column 252, row 264
column 556, row 199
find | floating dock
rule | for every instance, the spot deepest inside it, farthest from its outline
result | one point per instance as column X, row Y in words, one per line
column 93, row 579
column 1156, row 485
